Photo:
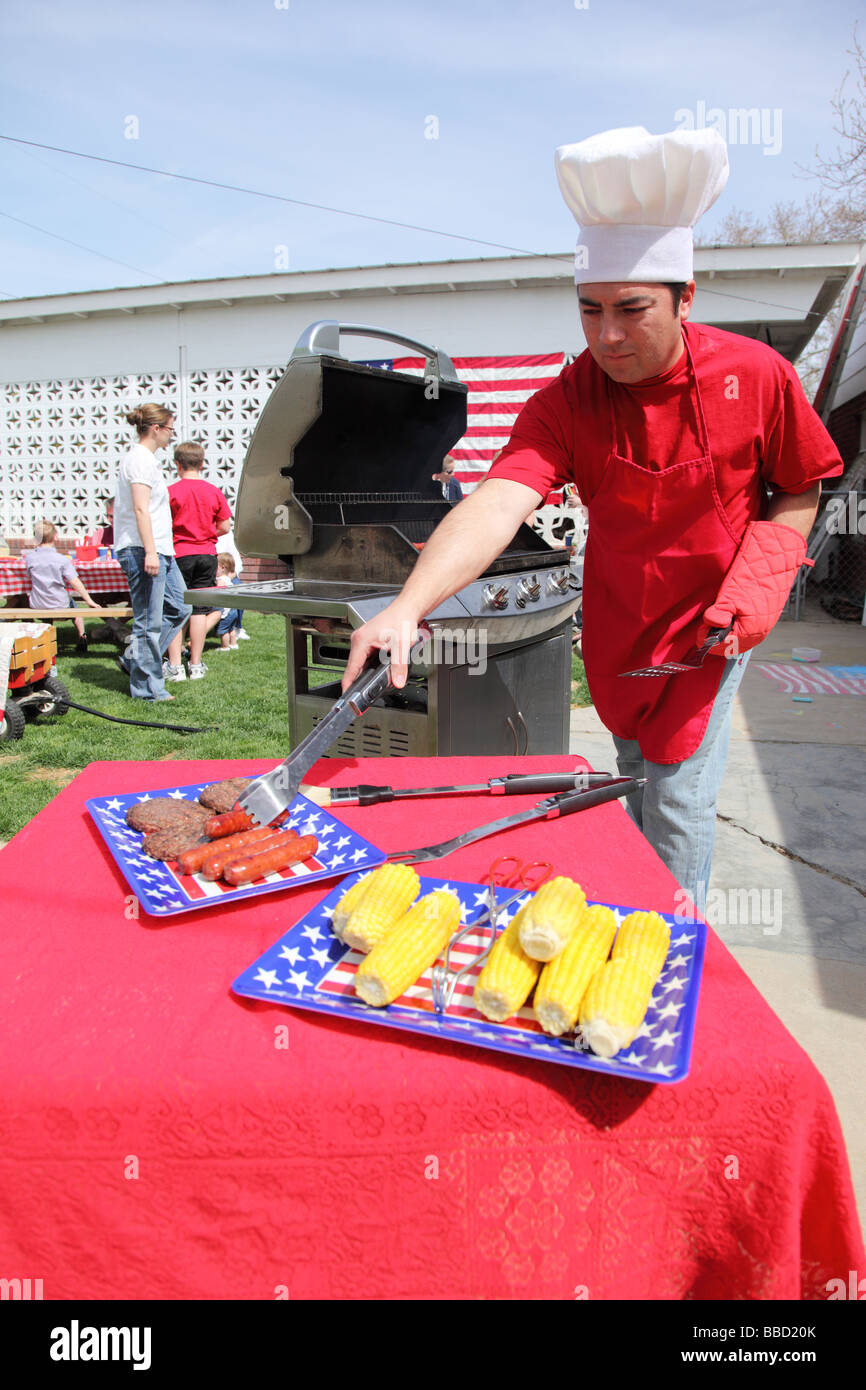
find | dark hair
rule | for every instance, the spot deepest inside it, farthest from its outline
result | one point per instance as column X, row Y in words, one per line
column 677, row 292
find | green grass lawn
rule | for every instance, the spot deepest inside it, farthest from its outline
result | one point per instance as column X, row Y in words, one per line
column 579, row 689
column 243, row 695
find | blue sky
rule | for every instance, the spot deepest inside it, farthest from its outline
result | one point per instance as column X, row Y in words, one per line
column 329, row 101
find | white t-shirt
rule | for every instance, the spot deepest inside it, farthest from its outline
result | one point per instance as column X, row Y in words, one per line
column 226, row 546
column 139, row 465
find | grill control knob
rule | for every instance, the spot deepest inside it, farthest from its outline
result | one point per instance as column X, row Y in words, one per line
column 557, row 582
column 528, row 588
column 496, row 595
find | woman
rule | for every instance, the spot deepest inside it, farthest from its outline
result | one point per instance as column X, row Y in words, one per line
column 145, row 551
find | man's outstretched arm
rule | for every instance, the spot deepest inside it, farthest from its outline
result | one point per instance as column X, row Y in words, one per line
column 468, row 539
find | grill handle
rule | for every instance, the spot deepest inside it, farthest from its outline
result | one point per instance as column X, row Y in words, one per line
column 323, row 338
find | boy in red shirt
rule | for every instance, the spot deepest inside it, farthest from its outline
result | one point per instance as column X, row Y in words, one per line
column 199, row 513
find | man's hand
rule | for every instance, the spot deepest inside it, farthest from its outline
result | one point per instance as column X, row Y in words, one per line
column 395, row 630
column 151, row 563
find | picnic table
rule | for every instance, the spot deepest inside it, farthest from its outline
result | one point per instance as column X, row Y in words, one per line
column 160, row 1143
column 101, row 576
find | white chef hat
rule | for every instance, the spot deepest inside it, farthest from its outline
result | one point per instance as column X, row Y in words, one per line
column 636, row 198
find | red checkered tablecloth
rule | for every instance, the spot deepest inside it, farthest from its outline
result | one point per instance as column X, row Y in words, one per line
column 98, row 576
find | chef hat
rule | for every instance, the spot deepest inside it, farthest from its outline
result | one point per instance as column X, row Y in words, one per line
column 636, row 198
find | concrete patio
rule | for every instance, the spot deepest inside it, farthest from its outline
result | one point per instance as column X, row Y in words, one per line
column 790, row 830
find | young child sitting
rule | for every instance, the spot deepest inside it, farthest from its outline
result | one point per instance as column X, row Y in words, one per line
column 49, row 572
column 227, row 621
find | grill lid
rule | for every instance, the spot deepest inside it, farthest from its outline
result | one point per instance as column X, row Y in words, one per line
column 337, row 435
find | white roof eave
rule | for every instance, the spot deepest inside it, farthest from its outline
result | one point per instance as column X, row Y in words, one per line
column 427, row 277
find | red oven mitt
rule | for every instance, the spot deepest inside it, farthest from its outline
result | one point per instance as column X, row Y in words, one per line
column 756, row 587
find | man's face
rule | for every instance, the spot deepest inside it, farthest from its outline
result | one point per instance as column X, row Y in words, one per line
column 632, row 331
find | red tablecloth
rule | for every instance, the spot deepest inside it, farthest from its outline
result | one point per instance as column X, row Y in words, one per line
column 156, row 1143
column 98, row 576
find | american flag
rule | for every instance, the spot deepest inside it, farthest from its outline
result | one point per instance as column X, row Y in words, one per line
column 499, row 387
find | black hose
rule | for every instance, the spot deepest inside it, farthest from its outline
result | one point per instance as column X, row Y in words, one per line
column 65, row 703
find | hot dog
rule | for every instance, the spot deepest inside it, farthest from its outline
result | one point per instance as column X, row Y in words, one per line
column 257, row 865
column 192, row 860
column 229, row 823
column 218, row 859
column 235, row 820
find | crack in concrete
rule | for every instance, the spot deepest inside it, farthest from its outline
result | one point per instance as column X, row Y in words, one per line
column 789, row 854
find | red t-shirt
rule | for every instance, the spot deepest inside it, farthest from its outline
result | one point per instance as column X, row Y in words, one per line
column 196, row 507
column 761, row 428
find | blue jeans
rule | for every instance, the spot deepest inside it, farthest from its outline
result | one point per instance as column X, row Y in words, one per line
column 233, row 619
column 158, row 613
column 676, row 810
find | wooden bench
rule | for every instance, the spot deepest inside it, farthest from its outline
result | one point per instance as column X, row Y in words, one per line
column 29, row 615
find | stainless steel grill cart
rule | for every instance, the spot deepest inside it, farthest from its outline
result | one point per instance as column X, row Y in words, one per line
column 337, row 482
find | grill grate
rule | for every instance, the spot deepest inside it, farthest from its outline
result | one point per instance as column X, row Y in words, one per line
column 360, row 498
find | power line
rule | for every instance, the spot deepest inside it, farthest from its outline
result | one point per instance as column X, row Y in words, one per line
column 98, row 193
column 78, row 245
column 278, row 198
column 341, row 212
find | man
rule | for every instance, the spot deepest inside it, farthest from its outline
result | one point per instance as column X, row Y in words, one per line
column 451, row 489
column 672, row 433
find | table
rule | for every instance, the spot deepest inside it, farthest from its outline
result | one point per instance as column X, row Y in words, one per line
column 103, row 576
column 158, row 1142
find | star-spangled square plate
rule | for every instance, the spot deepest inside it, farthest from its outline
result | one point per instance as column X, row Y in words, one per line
column 163, row 891
column 310, row 968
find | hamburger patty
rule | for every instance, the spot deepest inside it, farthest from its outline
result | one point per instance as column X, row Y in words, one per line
column 168, row 844
column 221, row 796
column 164, row 813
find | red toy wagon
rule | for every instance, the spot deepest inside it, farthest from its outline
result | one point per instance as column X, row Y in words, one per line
column 34, row 687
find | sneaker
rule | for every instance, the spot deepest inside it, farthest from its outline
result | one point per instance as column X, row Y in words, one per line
column 173, row 673
column 222, row 649
column 244, row 636
column 196, row 673
column 122, row 664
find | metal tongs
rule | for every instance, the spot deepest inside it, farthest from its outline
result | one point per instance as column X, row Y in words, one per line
column 443, row 982
column 562, row 805
column 269, row 795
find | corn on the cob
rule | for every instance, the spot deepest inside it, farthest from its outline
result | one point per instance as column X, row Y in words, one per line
column 348, row 903
column 409, row 948
column 364, row 920
column 506, row 980
column 644, row 936
column 615, row 1004
column 565, row 980
column 552, row 918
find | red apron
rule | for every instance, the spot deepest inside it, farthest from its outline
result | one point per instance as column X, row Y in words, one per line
column 659, row 547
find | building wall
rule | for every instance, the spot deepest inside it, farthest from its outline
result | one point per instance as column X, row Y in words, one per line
column 66, row 382
column 846, row 427
column 464, row 323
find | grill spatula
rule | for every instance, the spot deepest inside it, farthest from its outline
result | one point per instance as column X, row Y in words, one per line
column 693, row 662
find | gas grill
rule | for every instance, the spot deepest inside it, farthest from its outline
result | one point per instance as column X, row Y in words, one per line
column 337, row 482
